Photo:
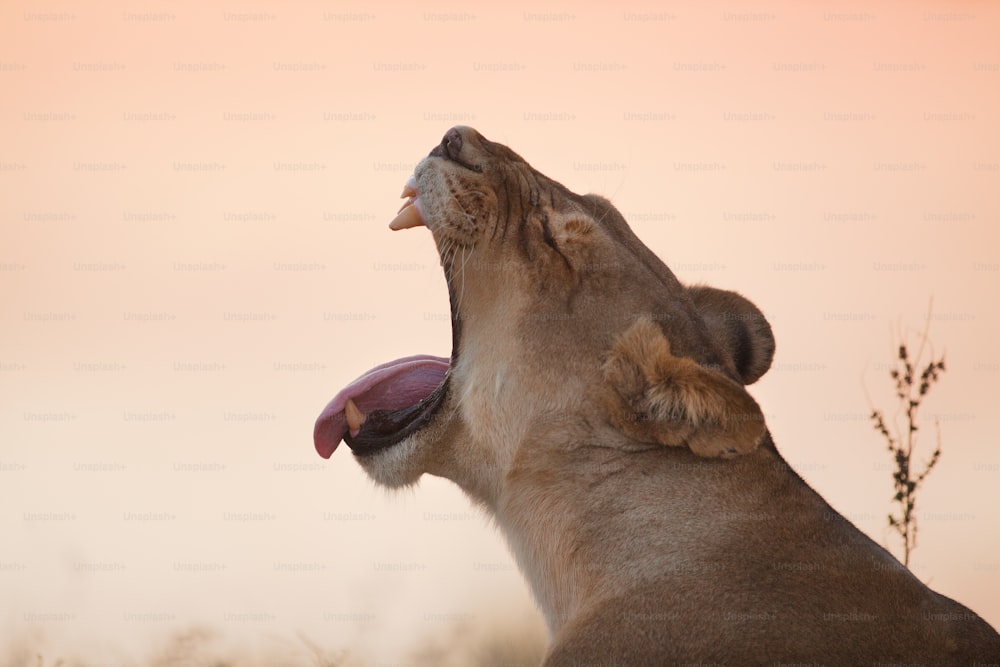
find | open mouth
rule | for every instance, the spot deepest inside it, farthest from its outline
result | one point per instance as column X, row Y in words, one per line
column 394, row 399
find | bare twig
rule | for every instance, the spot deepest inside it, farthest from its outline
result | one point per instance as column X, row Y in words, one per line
column 913, row 381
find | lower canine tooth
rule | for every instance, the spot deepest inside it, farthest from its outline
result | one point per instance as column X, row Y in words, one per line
column 408, row 217
column 355, row 418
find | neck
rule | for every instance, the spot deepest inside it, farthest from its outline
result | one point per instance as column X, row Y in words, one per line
column 574, row 518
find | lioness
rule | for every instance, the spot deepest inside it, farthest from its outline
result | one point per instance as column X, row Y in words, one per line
column 595, row 407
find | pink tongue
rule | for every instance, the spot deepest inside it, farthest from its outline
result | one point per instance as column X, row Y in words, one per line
column 390, row 386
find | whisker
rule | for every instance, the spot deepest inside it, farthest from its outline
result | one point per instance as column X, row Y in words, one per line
column 451, row 271
column 461, row 292
column 454, row 197
column 606, row 213
column 447, row 254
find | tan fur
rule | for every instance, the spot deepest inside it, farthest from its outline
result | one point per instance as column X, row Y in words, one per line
column 655, row 396
column 596, row 410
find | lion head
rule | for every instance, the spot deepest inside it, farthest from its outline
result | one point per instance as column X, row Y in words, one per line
column 563, row 322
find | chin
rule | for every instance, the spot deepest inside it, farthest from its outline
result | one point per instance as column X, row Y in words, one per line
column 395, row 467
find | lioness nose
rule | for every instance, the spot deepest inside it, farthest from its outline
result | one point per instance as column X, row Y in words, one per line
column 452, row 143
column 455, row 141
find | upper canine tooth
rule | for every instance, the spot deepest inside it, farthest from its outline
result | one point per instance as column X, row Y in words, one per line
column 355, row 418
column 410, row 189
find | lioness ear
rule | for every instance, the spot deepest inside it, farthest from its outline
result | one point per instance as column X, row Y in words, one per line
column 655, row 396
column 739, row 327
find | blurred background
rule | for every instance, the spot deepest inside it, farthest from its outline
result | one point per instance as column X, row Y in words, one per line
column 194, row 257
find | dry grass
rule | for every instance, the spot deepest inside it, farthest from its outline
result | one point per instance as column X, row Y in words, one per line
column 516, row 643
column 192, row 647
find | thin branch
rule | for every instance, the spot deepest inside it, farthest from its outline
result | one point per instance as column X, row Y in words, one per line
column 913, row 382
column 927, row 328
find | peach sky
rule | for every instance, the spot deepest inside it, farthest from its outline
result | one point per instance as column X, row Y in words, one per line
column 194, row 258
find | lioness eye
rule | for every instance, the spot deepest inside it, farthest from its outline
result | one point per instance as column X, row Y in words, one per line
column 547, row 234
